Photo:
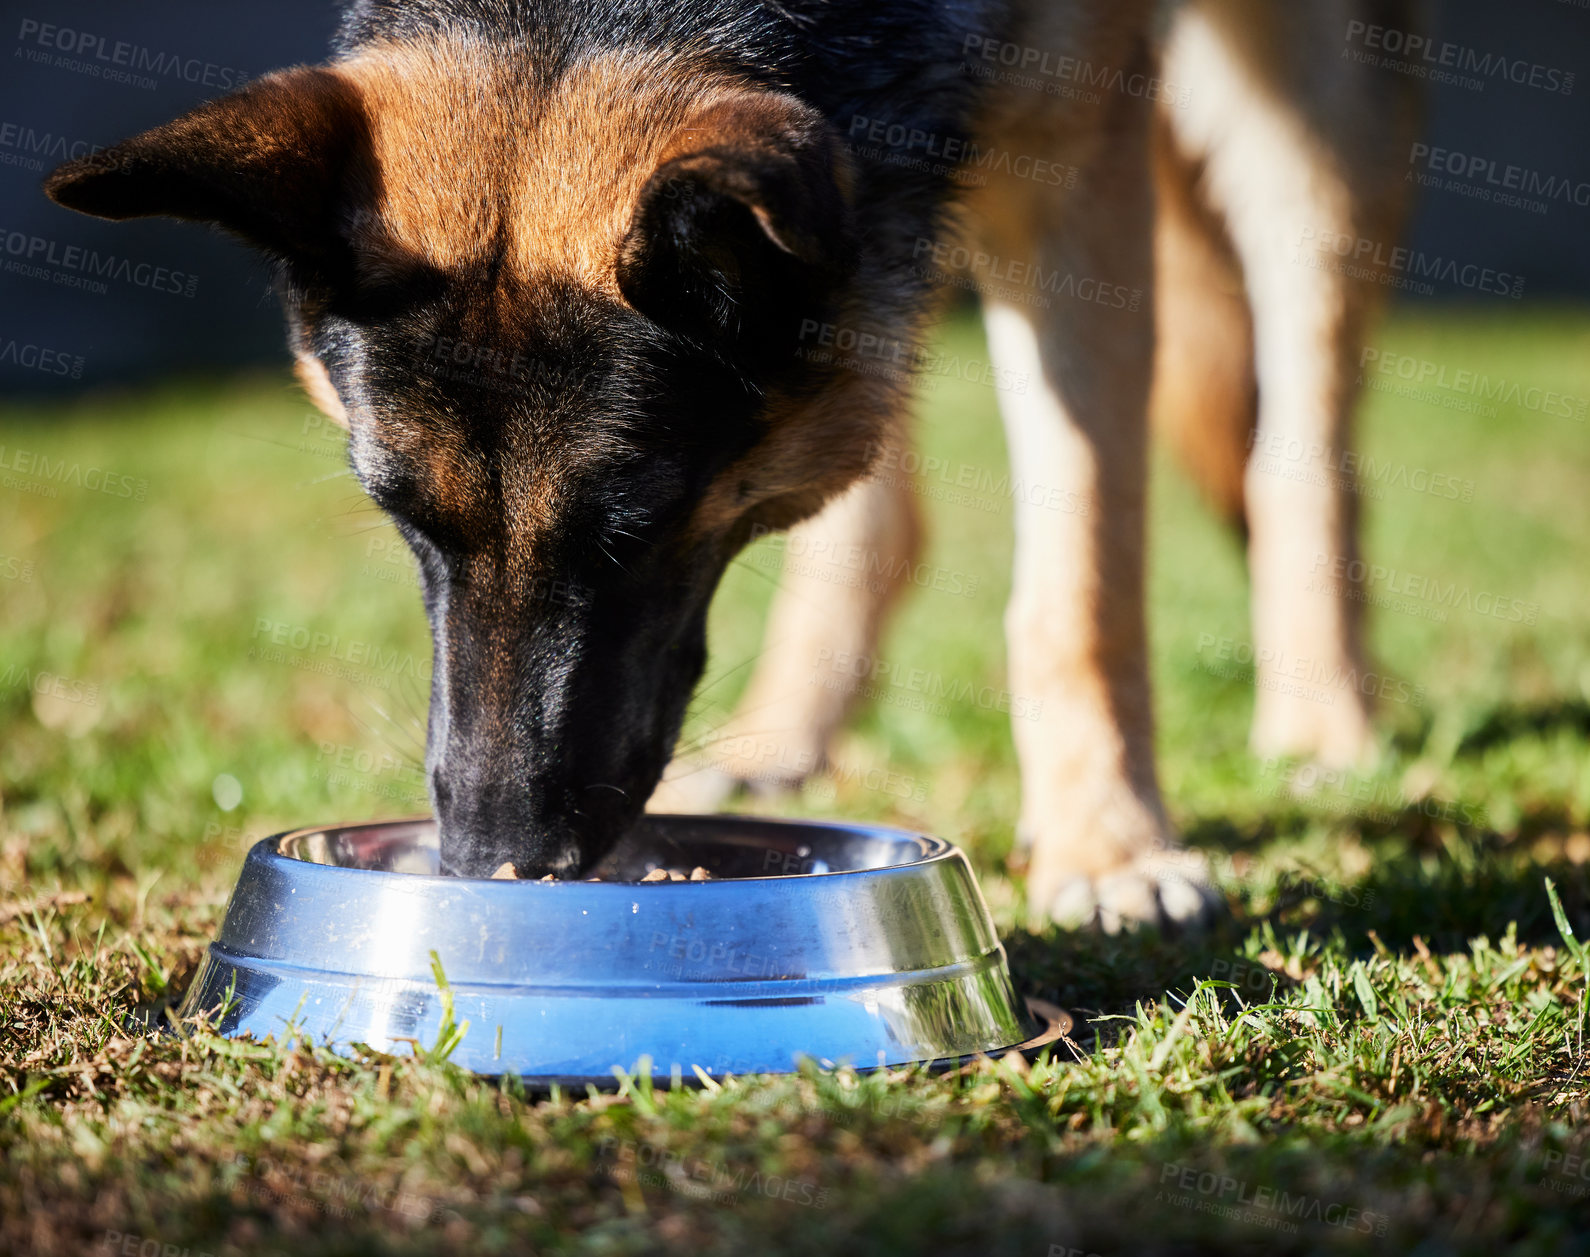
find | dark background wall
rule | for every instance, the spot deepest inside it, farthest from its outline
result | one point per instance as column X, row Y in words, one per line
column 192, row 300
column 133, row 331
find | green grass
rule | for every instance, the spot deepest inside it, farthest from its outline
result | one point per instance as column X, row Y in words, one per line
column 1382, row 1046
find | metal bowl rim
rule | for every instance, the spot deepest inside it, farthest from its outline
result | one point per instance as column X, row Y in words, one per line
column 938, row 851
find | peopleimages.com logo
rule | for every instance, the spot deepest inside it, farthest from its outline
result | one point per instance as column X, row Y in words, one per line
column 1227, row 1196
column 1441, row 60
column 1397, row 266
column 85, row 52
column 38, row 472
column 41, row 358
column 1500, row 180
column 36, row 150
column 32, row 257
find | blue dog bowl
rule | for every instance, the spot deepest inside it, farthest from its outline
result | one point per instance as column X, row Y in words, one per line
column 844, row 943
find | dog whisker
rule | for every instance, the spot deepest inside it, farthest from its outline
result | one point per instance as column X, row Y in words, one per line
column 706, row 687
column 720, row 733
column 601, row 545
column 330, row 475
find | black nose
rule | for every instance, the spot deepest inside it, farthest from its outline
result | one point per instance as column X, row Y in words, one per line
column 490, row 819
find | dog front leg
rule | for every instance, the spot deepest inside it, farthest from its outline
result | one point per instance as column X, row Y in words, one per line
column 1298, row 185
column 843, row 569
column 1101, row 849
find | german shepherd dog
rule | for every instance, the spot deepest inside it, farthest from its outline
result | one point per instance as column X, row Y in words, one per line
column 646, row 205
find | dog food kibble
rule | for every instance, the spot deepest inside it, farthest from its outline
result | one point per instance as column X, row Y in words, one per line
column 506, row 872
column 697, row 874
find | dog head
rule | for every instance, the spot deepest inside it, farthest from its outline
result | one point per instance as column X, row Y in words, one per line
column 559, row 315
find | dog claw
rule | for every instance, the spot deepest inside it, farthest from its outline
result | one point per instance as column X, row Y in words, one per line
column 1183, row 901
column 1074, row 904
column 1171, row 894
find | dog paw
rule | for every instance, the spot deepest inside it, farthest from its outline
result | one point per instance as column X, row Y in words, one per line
column 1170, row 889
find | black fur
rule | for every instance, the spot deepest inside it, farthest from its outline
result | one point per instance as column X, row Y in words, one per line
column 562, row 668
column 732, row 251
column 566, row 597
column 214, row 166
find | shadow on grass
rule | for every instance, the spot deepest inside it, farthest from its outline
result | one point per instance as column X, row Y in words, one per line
column 1509, row 721
column 1444, row 892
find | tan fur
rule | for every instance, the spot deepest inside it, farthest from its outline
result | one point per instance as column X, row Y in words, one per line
column 1077, row 640
column 1075, row 628
column 312, row 377
column 1239, row 168
column 841, row 430
column 1275, row 176
column 1205, row 399
column 831, row 606
column 456, row 157
column 448, row 120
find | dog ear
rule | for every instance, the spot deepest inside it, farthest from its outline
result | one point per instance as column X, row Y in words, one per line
column 268, row 163
column 744, row 227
